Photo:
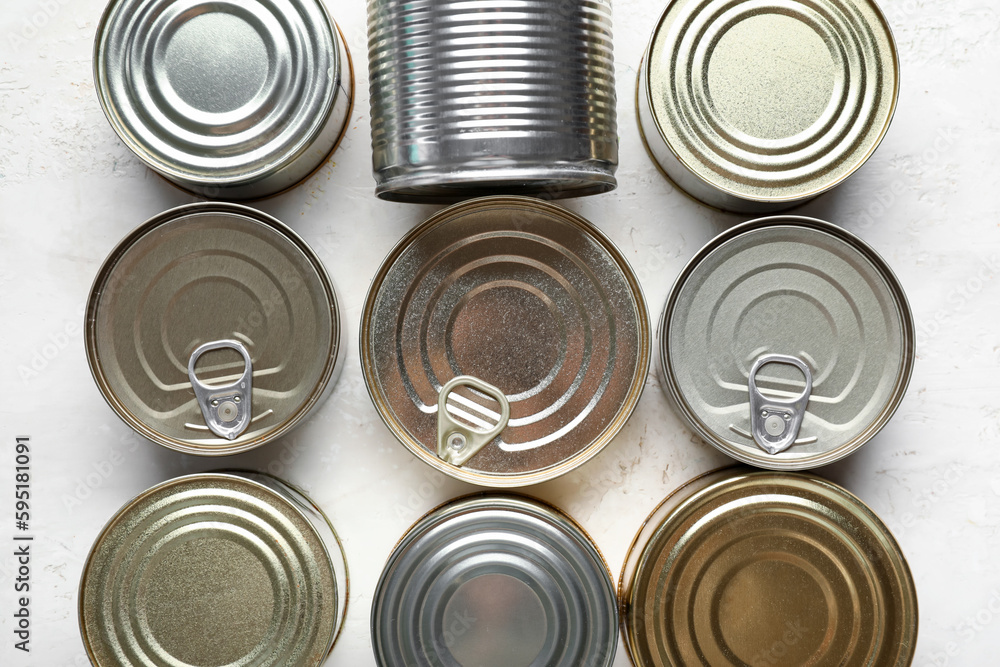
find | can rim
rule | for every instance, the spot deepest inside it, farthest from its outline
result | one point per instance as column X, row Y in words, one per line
column 551, row 472
column 899, row 300
column 634, row 558
column 227, row 474
column 333, row 353
column 644, row 71
column 180, row 179
column 499, row 498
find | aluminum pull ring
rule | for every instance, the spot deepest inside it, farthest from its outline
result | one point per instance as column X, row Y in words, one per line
column 226, row 408
column 456, row 442
column 774, row 422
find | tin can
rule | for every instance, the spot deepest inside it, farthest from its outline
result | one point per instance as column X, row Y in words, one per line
column 787, row 343
column 212, row 329
column 214, row 569
column 505, row 341
column 492, row 97
column 743, row 567
column 758, row 106
column 495, row 581
column 227, row 100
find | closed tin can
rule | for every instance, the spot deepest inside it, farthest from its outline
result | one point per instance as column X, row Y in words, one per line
column 744, row 567
column 229, row 568
column 495, row 581
column 212, row 329
column 227, row 100
column 491, row 97
column 757, row 106
column 787, row 343
column 505, row 341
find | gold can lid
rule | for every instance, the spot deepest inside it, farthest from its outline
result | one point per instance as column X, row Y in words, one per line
column 744, row 567
column 205, row 570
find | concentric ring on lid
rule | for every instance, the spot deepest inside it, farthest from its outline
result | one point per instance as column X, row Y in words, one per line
column 742, row 567
column 795, row 287
column 522, row 295
column 226, row 99
column 756, row 106
column 495, row 581
column 212, row 272
column 210, row 569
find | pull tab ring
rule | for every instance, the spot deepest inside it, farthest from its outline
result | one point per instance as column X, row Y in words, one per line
column 456, row 442
column 226, row 408
column 774, row 422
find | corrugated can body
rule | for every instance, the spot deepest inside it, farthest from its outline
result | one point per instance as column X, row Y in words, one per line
column 492, row 97
column 228, row 100
column 495, row 581
column 227, row 568
column 757, row 106
column 213, row 329
column 787, row 343
column 743, row 567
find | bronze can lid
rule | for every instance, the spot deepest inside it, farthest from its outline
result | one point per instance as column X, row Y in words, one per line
column 743, row 567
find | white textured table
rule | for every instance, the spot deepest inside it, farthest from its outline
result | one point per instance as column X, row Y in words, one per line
column 69, row 190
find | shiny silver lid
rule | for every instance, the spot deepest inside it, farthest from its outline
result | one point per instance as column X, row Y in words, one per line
column 211, row 569
column 227, row 99
column 495, row 581
column 522, row 295
column 782, row 321
column 754, row 106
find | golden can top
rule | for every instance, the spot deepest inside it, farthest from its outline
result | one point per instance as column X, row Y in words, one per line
column 213, row 569
column 754, row 106
column 205, row 274
column 516, row 317
column 744, row 567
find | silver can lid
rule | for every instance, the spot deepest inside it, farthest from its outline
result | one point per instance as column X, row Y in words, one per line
column 787, row 343
column 495, row 581
column 762, row 104
column 529, row 309
column 220, row 96
column 213, row 329
column 210, row 569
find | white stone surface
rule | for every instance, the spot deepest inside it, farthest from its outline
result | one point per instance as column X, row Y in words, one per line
column 69, row 190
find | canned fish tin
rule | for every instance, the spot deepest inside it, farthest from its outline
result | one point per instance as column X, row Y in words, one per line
column 758, row 106
column 491, row 97
column 495, row 581
column 786, row 343
column 213, row 329
column 228, row 100
column 745, row 567
column 505, row 341
column 214, row 569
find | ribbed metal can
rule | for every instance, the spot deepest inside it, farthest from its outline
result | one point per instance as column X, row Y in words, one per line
column 225, row 568
column 491, row 97
column 505, row 341
column 213, row 328
column 225, row 99
column 760, row 105
column 495, row 581
column 787, row 343
column 741, row 567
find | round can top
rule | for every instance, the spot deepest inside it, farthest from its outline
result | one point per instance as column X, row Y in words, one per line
column 495, row 581
column 790, row 327
column 205, row 273
column 526, row 297
column 770, row 101
column 745, row 567
column 219, row 94
column 205, row 570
